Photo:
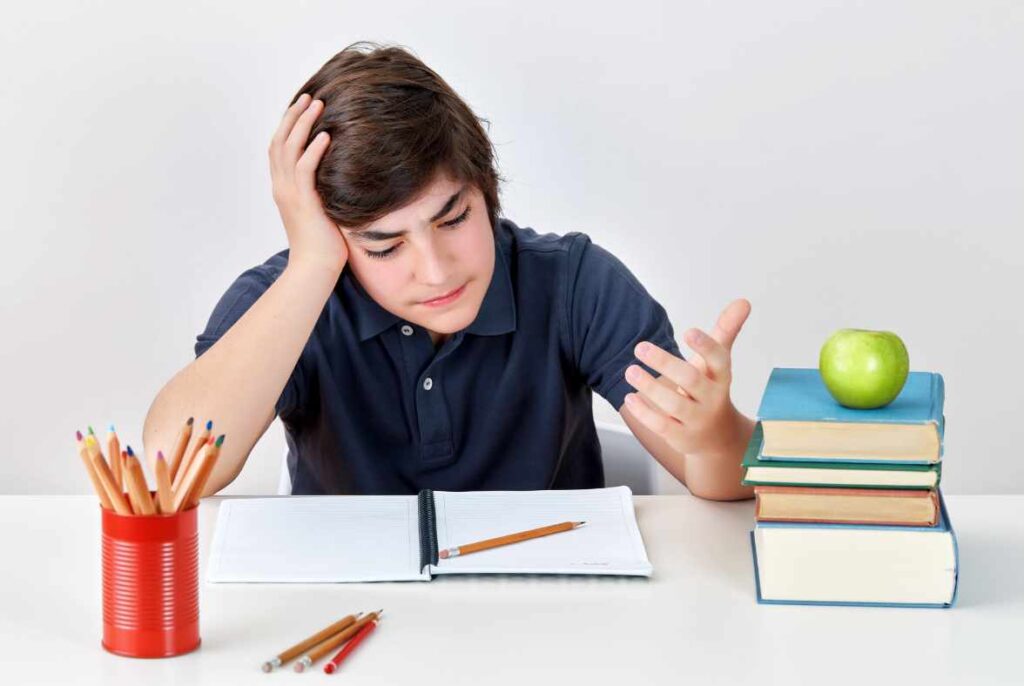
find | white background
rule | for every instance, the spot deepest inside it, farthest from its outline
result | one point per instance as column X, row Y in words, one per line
column 838, row 164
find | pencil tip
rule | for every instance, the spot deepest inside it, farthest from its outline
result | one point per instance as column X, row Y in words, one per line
column 190, row 421
column 112, row 429
column 579, row 524
column 91, row 432
column 130, row 453
column 159, row 454
column 78, row 435
column 209, row 424
column 220, row 440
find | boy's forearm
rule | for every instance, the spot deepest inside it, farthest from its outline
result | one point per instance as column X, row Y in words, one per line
column 237, row 382
column 716, row 473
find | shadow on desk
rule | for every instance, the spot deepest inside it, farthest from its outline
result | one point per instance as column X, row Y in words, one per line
column 990, row 571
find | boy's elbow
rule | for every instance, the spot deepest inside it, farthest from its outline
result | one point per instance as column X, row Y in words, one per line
column 722, row 494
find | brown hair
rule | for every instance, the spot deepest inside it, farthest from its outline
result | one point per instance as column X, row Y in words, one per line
column 394, row 124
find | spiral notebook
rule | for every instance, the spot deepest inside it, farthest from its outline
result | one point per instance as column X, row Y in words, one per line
column 329, row 539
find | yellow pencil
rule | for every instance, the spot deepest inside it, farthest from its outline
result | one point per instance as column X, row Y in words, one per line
column 97, row 486
column 105, row 476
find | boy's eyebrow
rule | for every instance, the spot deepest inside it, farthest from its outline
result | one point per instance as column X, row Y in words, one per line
column 374, row 235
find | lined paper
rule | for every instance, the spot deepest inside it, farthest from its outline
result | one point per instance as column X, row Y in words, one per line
column 610, row 543
column 316, row 539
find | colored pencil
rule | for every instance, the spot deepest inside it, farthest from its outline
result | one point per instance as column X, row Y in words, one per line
column 97, row 485
column 114, row 451
column 164, row 497
column 489, row 543
column 186, row 465
column 203, row 474
column 335, row 662
column 316, row 638
column 105, row 476
column 138, row 490
column 334, row 641
column 183, row 490
column 179, row 448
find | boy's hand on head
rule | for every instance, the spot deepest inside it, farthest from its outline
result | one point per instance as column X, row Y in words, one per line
column 312, row 237
column 689, row 404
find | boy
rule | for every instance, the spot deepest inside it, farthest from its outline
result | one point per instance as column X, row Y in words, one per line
column 412, row 338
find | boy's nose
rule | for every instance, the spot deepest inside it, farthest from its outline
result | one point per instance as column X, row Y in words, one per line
column 431, row 270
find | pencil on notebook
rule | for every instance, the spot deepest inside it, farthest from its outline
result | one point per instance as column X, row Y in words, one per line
column 316, row 638
column 333, row 642
column 97, row 485
column 164, row 497
column 114, row 450
column 105, row 476
column 138, row 490
column 190, row 456
column 489, row 543
column 179, row 448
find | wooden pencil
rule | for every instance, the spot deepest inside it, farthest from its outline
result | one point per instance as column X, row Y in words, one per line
column 304, row 645
column 183, row 469
column 333, row 642
column 114, row 451
column 106, row 477
column 164, row 496
column 97, row 485
column 489, row 543
column 179, row 448
column 183, row 490
column 203, row 474
column 138, row 490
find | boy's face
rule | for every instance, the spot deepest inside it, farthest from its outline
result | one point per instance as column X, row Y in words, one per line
column 439, row 243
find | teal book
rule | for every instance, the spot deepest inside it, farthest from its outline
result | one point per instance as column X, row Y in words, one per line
column 759, row 472
column 803, row 422
column 855, row 564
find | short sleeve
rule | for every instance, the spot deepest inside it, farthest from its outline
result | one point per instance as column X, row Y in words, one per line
column 609, row 313
column 236, row 301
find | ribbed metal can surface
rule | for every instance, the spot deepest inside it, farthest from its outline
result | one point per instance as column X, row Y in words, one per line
column 151, row 584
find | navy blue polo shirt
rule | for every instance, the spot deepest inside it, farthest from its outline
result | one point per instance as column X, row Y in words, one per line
column 372, row 407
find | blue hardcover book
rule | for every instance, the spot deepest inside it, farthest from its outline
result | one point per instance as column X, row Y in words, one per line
column 853, row 564
column 802, row 421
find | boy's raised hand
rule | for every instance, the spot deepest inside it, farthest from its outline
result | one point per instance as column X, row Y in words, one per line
column 689, row 405
column 313, row 238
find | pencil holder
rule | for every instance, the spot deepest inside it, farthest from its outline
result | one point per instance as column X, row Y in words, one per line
column 150, row 584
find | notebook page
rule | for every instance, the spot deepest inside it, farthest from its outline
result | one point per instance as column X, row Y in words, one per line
column 610, row 543
column 314, row 539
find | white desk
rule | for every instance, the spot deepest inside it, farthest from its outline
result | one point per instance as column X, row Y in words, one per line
column 694, row 622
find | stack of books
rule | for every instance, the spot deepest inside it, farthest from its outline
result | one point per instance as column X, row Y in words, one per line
column 849, row 510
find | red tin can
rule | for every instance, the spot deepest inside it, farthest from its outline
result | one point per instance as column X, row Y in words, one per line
column 151, row 583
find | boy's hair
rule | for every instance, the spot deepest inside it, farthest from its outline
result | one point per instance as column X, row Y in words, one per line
column 394, row 124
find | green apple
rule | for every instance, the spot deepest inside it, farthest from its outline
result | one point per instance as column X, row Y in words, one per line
column 864, row 369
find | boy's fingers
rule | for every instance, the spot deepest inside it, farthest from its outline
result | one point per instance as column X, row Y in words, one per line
column 657, row 421
column 285, row 127
column 305, row 168
column 659, row 392
column 299, row 137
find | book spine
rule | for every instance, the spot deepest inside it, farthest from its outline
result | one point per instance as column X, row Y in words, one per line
column 428, row 528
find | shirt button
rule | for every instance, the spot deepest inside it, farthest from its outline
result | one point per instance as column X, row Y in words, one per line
column 428, row 383
column 406, row 330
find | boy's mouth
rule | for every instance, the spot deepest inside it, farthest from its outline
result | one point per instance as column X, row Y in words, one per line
column 445, row 298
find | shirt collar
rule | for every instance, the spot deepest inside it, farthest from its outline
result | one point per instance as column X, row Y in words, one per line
column 497, row 313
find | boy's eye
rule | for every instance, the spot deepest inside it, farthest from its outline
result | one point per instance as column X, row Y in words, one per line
column 451, row 224
column 458, row 220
